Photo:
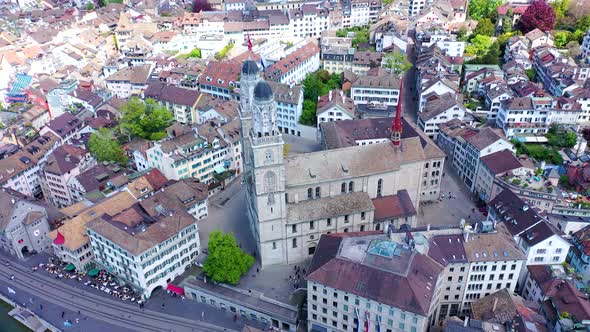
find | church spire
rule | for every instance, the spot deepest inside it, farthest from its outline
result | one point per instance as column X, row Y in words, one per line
column 396, row 128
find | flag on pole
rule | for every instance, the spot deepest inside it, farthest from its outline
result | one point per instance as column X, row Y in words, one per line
column 367, row 319
column 249, row 43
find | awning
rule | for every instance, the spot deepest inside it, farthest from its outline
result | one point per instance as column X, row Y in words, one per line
column 70, row 267
column 175, row 289
column 59, row 239
column 93, row 272
column 219, row 169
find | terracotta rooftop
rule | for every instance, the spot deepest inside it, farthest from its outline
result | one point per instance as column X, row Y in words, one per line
column 371, row 266
column 394, row 206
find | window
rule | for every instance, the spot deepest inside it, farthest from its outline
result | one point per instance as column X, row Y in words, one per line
column 329, row 222
column 309, row 193
column 295, row 243
column 274, row 245
column 293, row 228
column 346, row 218
column 311, row 225
column 379, row 187
column 346, row 230
column 351, row 186
column 362, row 228
column 362, row 216
column 343, row 187
column 317, row 192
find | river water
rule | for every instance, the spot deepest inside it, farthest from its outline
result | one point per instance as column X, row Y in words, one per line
column 7, row 323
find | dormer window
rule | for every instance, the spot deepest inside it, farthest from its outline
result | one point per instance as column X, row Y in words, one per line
column 208, row 79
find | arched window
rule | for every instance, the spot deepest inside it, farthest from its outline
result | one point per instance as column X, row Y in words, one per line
column 379, row 187
column 351, row 186
column 309, row 193
column 318, row 192
column 270, row 181
column 343, row 187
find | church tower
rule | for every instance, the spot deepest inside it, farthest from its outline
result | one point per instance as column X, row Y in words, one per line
column 396, row 128
column 250, row 76
column 266, row 185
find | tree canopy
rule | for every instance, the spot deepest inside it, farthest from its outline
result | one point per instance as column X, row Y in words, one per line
column 226, row 262
column 561, row 138
column 479, row 45
column 539, row 15
column 361, row 34
column 147, row 120
column 104, row 147
column 485, row 27
column 201, row 6
column 479, row 9
column 396, row 62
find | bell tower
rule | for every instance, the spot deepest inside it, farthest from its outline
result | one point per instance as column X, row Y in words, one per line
column 396, row 128
column 266, row 190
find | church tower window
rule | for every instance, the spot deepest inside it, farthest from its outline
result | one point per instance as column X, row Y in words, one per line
column 379, row 187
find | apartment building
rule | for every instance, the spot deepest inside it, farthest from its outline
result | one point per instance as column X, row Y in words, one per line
column 585, row 49
column 293, row 68
column 102, row 179
column 308, row 21
column 181, row 101
column 383, row 284
column 524, row 116
column 190, row 154
column 289, row 102
column 472, row 144
column 220, row 79
column 415, row 7
column 438, row 110
column 20, row 171
column 63, row 163
column 435, row 87
column 65, row 126
column 579, row 258
column 540, row 241
column 495, row 165
column 334, row 106
column 477, row 263
column 24, row 224
column 381, row 89
column 337, row 59
column 146, row 245
column 129, row 81
column 70, row 241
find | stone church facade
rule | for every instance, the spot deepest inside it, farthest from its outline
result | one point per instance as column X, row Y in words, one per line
column 293, row 200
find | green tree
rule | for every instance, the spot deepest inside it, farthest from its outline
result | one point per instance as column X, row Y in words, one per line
column 462, row 33
column 102, row 3
column 147, row 120
column 485, row 27
column 223, row 53
column 361, row 34
column 104, row 147
column 479, row 45
column 561, row 7
column 583, row 23
column 90, row 6
column 196, row 53
column 483, row 8
column 562, row 38
column 226, row 262
column 396, row 62
column 507, row 20
column 532, row 74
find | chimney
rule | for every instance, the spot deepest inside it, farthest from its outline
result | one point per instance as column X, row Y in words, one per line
column 495, row 304
column 428, row 228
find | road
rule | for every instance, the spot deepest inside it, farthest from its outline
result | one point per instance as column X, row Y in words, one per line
column 113, row 313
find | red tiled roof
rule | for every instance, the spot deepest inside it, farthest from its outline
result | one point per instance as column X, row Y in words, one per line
column 394, row 206
column 156, row 178
column 291, row 61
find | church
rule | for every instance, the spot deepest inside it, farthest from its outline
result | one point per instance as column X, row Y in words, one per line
column 293, row 200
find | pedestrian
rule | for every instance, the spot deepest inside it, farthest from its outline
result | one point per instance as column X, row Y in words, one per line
column 79, row 312
column 202, row 315
column 77, row 320
column 40, row 306
column 257, row 270
column 62, row 314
